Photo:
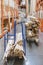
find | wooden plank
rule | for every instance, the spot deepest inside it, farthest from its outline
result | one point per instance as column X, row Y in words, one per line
column 3, row 33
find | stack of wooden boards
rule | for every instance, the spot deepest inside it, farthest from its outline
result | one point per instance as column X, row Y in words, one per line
column 15, row 49
column 32, row 30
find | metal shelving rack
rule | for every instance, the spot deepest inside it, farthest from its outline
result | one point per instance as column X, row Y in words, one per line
column 23, row 36
column 39, row 11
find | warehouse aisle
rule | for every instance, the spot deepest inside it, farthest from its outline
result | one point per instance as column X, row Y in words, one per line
column 34, row 55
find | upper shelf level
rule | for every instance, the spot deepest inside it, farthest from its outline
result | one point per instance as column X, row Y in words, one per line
column 9, row 11
column 8, row 8
column 39, row 4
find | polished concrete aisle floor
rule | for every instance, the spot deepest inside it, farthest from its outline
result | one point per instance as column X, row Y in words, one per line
column 34, row 55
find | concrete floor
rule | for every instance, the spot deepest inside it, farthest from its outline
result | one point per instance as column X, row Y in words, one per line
column 34, row 55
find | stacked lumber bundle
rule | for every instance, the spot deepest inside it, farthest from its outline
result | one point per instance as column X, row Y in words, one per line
column 18, row 51
column 32, row 30
column 14, row 50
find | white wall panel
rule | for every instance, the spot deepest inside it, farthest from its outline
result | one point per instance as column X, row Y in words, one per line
column 11, row 3
column 32, row 6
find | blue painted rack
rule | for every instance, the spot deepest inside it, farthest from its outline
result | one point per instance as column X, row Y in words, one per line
column 23, row 36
